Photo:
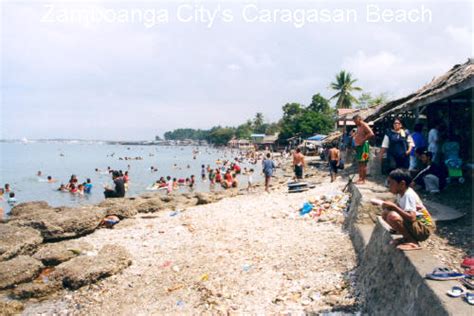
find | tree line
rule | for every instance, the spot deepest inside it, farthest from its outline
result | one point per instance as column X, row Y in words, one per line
column 298, row 119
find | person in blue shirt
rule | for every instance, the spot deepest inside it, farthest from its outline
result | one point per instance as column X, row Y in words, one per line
column 268, row 167
column 88, row 186
column 419, row 142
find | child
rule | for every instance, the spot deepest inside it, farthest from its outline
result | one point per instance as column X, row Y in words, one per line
column 169, row 184
column 408, row 216
column 203, row 173
column 11, row 200
column 88, row 186
column 80, row 189
column 192, row 182
column 250, row 180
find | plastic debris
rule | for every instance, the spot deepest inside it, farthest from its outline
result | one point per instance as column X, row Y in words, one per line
column 175, row 287
column 246, row 267
column 204, row 277
column 323, row 208
column 166, row 264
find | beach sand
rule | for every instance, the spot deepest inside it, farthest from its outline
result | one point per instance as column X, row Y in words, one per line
column 241, row 254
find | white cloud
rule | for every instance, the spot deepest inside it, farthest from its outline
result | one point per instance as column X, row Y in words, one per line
column 460, row 34
column 233, row 67
column 388, row 72
column 190, row 75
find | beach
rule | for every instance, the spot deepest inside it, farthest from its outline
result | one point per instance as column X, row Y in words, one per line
column 243, row 254
column 230, row 251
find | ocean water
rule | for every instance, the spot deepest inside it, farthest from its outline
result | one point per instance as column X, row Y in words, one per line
column 20, row 162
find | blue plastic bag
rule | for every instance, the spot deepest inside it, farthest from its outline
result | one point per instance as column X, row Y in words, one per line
column 307, row 207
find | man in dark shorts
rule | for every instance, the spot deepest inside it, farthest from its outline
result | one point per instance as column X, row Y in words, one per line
column 298, row 163
column 334, row 156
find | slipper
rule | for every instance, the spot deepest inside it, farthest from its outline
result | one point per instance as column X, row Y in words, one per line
column 408, row 246
column 469, row 297
column 468, row 263
column 443, row 274
column 467, row 282
column 456, row 291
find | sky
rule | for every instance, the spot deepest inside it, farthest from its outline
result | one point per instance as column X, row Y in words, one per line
column 130, row 70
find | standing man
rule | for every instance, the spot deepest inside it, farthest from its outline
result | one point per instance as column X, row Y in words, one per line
column 334, row 161
column 361, row 140
column 298, row 164
column 268, row 167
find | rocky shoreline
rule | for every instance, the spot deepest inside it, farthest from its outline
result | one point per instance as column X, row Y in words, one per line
column 46, row 250
column 40, row 253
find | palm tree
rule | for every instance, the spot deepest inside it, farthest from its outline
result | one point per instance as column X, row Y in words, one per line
column 344, row 86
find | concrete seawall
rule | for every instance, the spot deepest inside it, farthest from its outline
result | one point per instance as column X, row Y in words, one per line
column 391, row 282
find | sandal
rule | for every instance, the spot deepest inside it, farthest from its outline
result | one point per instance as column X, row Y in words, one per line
column 469, row 297
column 468, row 282
column 408, row 246
column 456, row 291
column 443, row 274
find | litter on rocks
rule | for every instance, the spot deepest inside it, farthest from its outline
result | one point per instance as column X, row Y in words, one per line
column 323, row 206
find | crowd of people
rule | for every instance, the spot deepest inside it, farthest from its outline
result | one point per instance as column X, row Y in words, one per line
column 74, row 187
column 413, row 161
column 426, row 156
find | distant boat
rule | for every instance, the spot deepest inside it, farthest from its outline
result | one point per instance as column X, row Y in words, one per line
column 24, row 140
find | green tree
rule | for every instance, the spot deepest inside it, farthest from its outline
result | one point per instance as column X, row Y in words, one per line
column 306, row 121
column 319, row 104
column 344, row 84
column 244, row 131
column 380, row 99
column 272, row 128
column 367, row 100
column 291, row 110
column 220, row 135
column 258, row 125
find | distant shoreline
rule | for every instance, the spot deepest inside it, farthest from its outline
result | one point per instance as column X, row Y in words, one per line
column 108, row 142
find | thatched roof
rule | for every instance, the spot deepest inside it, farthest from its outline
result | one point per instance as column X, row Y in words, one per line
column 334, row 136
column 458, row 79
column 364, row 113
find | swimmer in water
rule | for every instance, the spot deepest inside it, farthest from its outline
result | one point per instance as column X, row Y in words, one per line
column 51, row 180
column 39, row 174
column 7, row 188
column 11, row 200
column 72, row 188
column 88, row 186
